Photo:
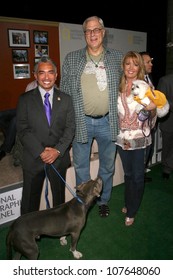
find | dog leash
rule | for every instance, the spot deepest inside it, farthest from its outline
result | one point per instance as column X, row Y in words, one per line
column 46, row 190
column 70, row 189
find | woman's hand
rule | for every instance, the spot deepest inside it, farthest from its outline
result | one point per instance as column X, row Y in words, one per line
column 151, row 107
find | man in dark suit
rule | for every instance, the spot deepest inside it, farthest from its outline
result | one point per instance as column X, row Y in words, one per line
column 44, row 144
column 166, row 126
column 148, row 65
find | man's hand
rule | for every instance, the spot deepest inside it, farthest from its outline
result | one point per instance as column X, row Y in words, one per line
column 49, row 155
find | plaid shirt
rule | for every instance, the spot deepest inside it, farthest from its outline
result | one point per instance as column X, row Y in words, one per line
column 70, row 83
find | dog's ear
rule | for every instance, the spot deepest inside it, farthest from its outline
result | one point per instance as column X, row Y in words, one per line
column 80, row 187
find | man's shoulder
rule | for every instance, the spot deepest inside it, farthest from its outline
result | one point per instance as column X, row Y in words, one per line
column 76, row 53
column 166, row 78
column 29, row 93
column 114, row 53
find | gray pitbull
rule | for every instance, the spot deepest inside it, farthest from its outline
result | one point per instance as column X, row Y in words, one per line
column 66, row 219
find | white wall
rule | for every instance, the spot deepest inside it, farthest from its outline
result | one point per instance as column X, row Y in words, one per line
column 71, row 38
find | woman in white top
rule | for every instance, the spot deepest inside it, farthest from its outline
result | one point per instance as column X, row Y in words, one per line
column 134, row 137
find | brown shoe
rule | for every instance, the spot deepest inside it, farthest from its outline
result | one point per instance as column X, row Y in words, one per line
column 129, row 221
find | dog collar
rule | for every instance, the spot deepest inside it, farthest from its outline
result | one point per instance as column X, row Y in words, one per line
column 79, row 199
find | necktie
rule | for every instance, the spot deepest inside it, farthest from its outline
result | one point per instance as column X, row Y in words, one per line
column 47, row 107
column 147, row 79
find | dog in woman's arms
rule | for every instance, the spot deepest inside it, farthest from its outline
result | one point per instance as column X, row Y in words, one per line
column 143, row 94
column 66, row 219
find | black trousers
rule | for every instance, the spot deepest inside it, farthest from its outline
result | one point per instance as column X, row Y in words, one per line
column 167, row 152
column 33, row 186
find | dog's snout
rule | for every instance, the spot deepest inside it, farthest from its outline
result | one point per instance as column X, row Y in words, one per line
column 99, row 180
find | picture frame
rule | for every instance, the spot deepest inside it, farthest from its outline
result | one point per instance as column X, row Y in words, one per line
column 18, row 38
column 21, row 71
column 36, row 59
column 40, row 37
column 19, row 55
column 41, row 50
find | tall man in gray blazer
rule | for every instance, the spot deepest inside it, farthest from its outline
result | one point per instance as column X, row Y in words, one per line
column 44, row 145
column 166, row 126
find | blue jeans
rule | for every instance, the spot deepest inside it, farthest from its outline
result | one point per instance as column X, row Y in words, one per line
column 133, row 162
column 99, row 130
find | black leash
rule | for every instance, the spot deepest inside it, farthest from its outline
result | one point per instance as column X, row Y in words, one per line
column 46, row 187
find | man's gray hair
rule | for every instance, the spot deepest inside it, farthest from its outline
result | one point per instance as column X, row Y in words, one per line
column 93, row 18
column 45, row 59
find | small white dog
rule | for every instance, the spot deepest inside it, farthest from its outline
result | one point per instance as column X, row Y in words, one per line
column 143, row 94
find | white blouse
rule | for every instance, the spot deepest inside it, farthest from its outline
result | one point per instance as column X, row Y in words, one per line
column 133, row 133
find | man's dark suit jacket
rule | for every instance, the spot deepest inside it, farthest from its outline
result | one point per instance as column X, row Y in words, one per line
column 36, row 134
column 166, row 86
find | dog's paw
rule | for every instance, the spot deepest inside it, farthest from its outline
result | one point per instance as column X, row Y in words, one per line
column 76, row 254
column 63, row 241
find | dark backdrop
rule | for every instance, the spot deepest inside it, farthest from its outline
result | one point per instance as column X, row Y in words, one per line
column 137, row 15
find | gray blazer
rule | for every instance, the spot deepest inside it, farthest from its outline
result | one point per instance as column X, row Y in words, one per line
column 34, row 131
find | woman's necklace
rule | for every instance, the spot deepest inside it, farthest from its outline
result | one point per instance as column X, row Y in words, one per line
column 96, row 63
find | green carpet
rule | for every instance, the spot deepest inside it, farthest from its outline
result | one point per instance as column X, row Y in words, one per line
column 150, row 238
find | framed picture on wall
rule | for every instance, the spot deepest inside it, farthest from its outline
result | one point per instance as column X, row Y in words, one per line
column 19, row 55
column 18, row 38
column 41, row 50
column 40, row 37
column 21, row 71
column 36, row 59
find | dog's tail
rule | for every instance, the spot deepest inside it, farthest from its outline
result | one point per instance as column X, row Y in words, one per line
column 9, row 246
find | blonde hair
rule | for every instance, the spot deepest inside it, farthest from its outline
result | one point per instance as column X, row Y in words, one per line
column 137, row 59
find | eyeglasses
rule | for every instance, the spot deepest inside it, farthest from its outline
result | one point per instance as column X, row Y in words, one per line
column 95, row 31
